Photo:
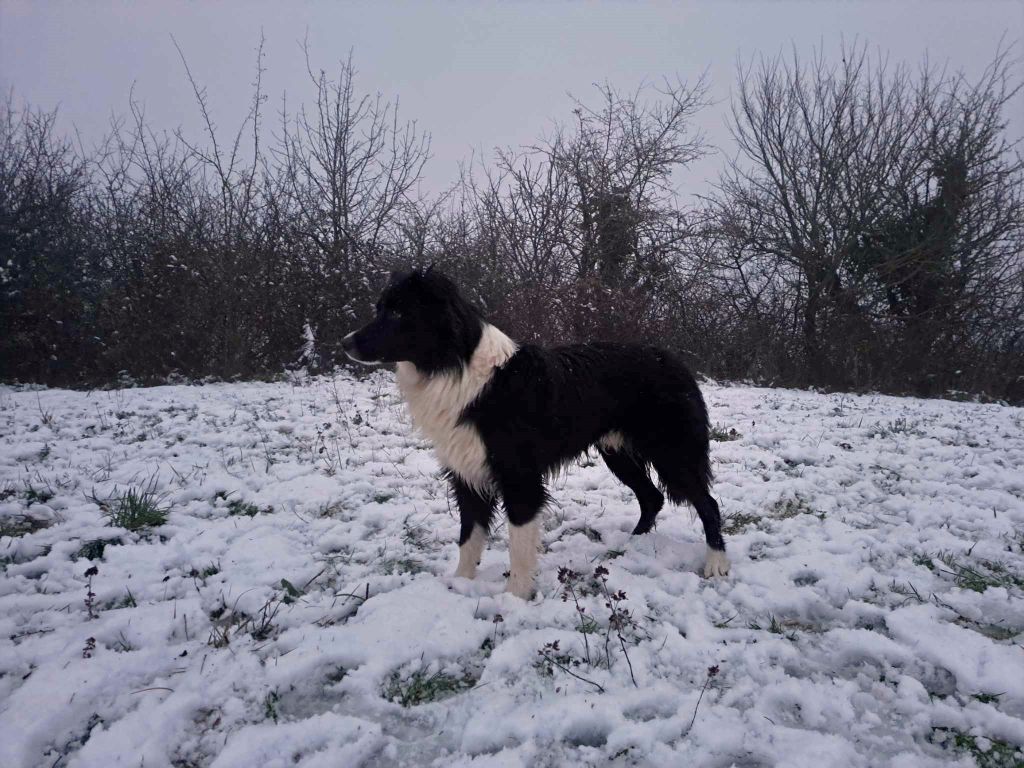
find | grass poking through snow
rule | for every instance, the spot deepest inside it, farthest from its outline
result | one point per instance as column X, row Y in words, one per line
column 134, row 509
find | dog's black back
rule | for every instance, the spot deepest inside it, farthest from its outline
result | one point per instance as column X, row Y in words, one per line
column 544, row 407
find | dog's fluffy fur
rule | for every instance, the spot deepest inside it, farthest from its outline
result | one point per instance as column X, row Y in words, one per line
column 504, row 417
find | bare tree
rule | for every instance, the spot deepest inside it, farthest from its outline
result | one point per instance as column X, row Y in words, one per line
column 945, row 259
column 45, row 255
column 589, row 214
column 853, row 184
column 351, row 166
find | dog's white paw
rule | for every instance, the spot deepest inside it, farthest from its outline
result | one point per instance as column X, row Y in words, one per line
column 465, row 571
column 717, row 564
column 520, row 586
column 470, row 552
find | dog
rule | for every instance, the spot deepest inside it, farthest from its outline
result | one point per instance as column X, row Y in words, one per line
column 504, row 417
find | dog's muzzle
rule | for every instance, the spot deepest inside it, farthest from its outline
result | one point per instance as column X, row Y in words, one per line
column 350, row 348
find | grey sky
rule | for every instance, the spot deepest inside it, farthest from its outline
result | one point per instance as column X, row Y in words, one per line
column 475, row 75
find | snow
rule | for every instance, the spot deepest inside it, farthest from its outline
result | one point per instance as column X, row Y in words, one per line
column 301, row 590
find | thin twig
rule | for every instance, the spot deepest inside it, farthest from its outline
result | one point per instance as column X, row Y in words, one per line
column 568, row 671
column 628, row 662
column 712, row 671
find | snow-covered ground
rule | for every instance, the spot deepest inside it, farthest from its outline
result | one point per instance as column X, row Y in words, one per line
column 297, row 609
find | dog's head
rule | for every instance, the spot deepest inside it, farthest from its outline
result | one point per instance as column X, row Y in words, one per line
column 422, row 319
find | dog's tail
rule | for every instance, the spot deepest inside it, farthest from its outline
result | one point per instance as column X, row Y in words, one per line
column 689, row 419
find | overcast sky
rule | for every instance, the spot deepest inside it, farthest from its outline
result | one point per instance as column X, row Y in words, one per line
column 475, row 75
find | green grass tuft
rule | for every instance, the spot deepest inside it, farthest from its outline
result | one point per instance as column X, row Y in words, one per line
column 202, row 574
column 128, row 601
column 422, row 688
column 784, row 509
column 395, row 566
column 136, row 510
column 979, row 575
column 240, row 508
column 775, row 627
column 270, row 703
column 987, row 698
column 8, row 491
column 736, row 522
column 987, row 752
column 19, row 525
column 237, row 507
column 37, row 495
column 94, row 548
column 722, row 435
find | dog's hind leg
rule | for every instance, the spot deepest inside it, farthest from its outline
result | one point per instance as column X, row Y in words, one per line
column 689, row 483
column 475, row 511
column 716, row 564
column 633, row 474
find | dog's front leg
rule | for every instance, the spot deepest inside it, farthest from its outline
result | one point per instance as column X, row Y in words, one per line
column 524, row 499
column 475, row 512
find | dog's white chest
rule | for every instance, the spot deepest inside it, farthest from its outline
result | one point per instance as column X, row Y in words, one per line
column 436, row 404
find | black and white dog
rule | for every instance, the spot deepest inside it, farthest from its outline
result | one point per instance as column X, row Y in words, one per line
column 502, row 417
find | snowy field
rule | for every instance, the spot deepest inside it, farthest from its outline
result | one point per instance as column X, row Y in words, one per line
column 286, row 600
